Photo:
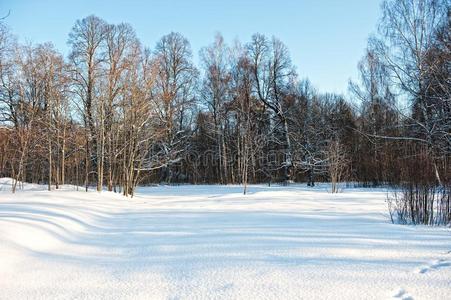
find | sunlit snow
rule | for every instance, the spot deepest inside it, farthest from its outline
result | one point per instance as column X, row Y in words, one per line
column 205, row 242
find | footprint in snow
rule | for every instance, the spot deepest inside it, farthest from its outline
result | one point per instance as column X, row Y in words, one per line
column 402, row 294
column 436, row 264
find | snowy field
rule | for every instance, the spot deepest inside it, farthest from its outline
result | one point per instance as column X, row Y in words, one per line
column 211, row 242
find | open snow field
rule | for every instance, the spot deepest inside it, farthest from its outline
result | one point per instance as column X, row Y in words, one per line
column 211, row 242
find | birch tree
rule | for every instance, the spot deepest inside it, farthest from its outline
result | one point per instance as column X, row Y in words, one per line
column 87, row 57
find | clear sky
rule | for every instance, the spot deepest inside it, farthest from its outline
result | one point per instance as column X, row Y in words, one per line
column 326, row 38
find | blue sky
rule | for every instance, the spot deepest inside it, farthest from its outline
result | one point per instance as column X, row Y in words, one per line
column 326, row 38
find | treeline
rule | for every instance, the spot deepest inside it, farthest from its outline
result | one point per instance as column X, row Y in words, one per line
column 115, row 113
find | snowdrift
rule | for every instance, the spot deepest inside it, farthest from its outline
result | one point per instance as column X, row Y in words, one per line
column 204, row 242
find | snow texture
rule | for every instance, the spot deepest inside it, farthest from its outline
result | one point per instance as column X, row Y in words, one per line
column 211, row 242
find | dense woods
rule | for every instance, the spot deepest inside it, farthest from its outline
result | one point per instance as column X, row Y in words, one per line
column 115, row 113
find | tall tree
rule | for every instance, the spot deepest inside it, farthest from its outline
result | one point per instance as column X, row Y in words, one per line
column 407, row 33
column 121, row 44
column 216, row 93
column 273, row 72
column 173, row 101
column 87, row 40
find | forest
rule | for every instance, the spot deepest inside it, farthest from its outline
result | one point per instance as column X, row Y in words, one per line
column 115, row 114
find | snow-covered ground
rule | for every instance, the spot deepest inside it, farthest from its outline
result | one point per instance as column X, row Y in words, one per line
column 211, row 242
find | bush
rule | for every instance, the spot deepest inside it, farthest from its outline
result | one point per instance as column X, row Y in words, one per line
column 426, row 204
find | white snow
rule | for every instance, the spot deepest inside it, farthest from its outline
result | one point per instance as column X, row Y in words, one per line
column 211, row 242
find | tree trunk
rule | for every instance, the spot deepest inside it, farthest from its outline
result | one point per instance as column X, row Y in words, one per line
column 50, row 162
column 287, row 152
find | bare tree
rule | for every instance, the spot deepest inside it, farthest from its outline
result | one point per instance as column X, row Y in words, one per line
column 408, row 32
column 272, row 71
column 173, row 101
column 136, row 126
column 379, row 115
column 87, row 39
column 244, row 102
column 121, row 44
column 337, row 164
column 51, row 74
column 216, row 93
